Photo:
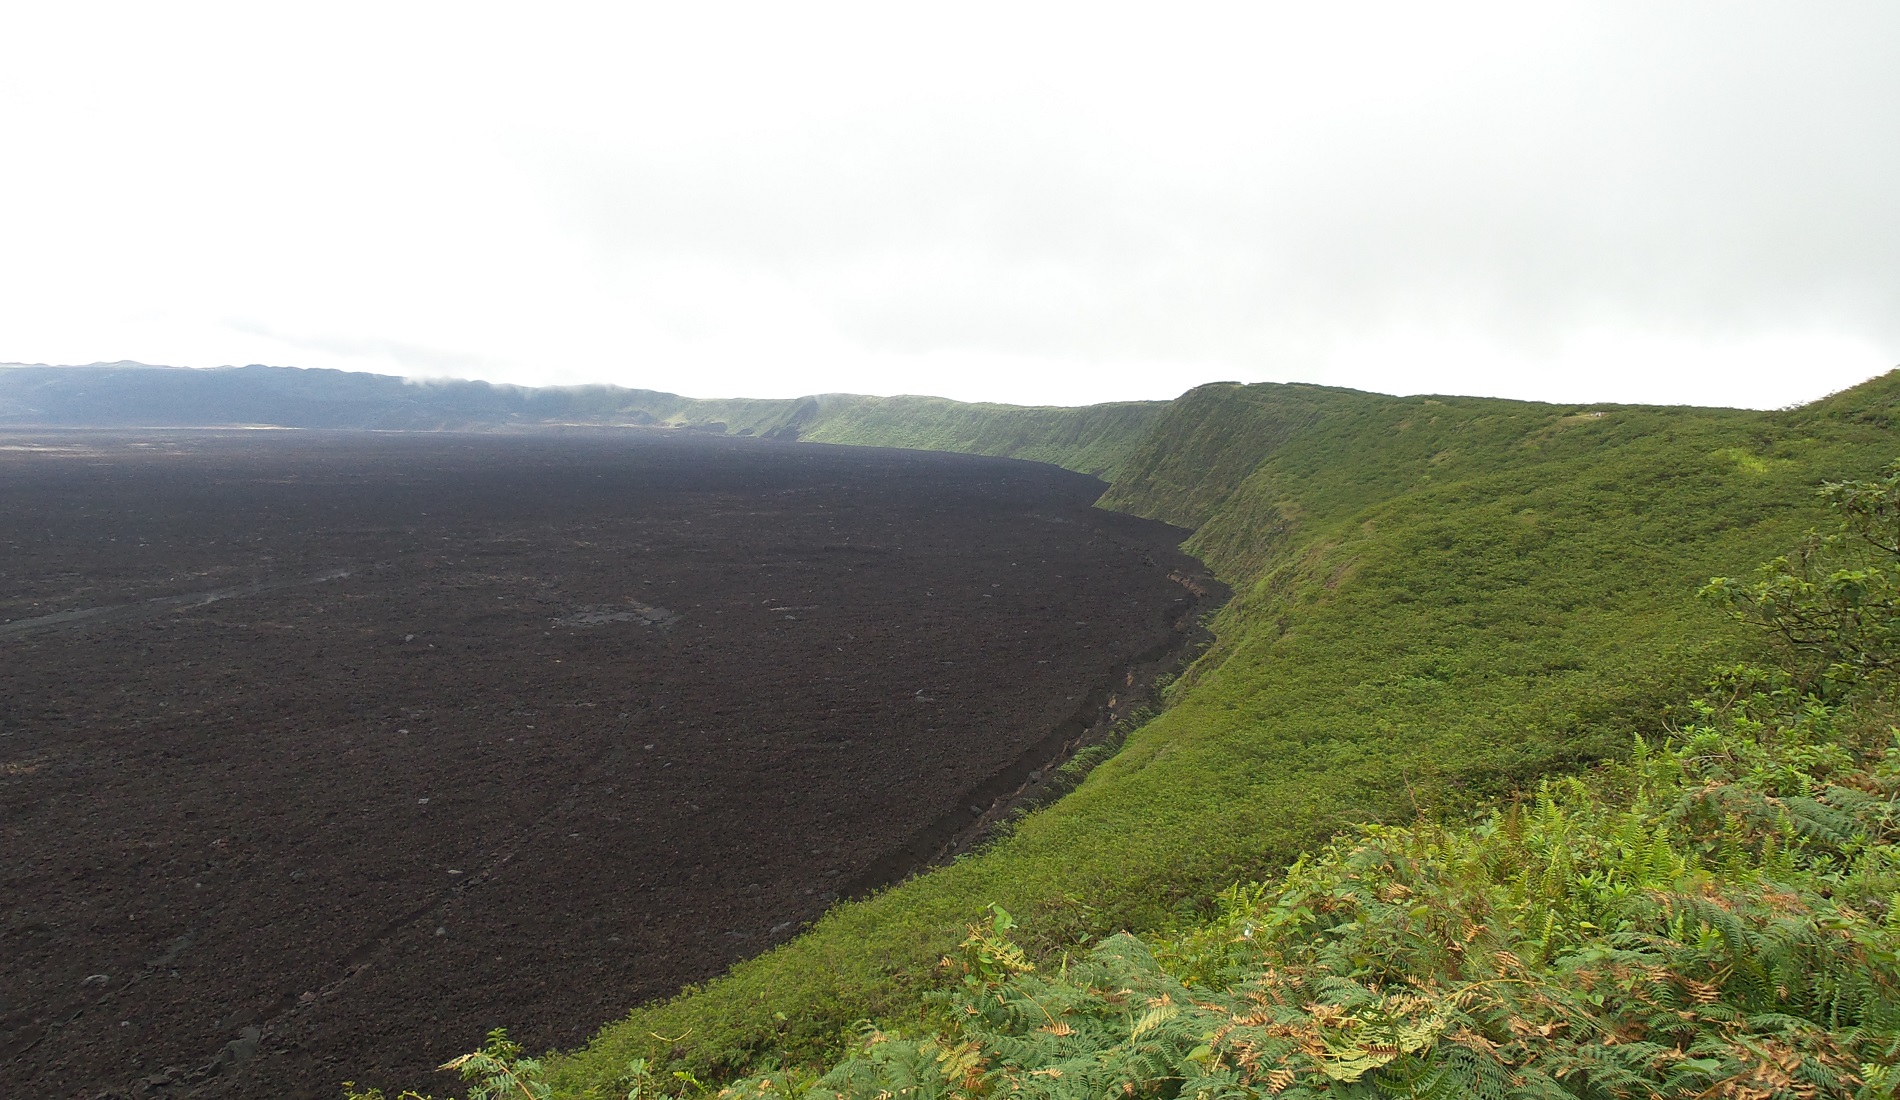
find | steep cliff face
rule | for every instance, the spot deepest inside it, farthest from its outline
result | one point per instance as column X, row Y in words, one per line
column 1209, row 440
column 1091, row 439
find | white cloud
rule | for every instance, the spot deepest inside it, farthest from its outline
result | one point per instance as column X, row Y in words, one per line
column 1050, row 202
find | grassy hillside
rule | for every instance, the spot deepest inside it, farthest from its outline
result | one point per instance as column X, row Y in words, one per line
column 1718, row 918
column 1438, row 600
column 1094, row 439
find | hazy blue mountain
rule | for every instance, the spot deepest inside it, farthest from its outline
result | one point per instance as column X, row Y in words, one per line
column 130, row 394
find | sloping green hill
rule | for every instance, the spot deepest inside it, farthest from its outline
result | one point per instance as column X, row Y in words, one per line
column 1093, row 439
column 1437, row 600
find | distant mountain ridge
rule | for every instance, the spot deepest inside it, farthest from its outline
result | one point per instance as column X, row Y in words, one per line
column 1094, row 439
column 130, row 394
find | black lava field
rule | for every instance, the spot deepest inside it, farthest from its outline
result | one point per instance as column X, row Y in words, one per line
column 321, row 753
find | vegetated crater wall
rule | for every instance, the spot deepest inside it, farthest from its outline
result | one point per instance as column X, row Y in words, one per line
column 323, row 752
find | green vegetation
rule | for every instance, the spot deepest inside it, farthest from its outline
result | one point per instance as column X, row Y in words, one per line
column 1720, row 917
column 1094, row 439
column 1439, row 602
column 1833, row 606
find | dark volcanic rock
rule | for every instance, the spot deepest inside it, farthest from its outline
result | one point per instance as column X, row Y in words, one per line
column 374, row 742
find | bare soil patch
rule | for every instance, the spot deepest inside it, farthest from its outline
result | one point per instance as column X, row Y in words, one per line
column 322, row 753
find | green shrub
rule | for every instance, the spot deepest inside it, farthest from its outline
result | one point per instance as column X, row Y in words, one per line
column 1833, row 605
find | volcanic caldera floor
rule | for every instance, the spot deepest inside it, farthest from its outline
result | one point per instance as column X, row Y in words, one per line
column 322, row 753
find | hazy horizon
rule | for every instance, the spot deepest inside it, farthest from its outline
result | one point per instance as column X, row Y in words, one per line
column 444, row 379
column 1029, row 204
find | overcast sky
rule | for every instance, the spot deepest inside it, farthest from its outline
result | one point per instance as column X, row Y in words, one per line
column 1057, row 203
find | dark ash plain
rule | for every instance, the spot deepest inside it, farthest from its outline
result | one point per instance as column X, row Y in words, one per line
column 322, row 752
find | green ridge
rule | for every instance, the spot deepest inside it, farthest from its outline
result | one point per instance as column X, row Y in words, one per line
column 1092, row 439
column 1437, row 601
